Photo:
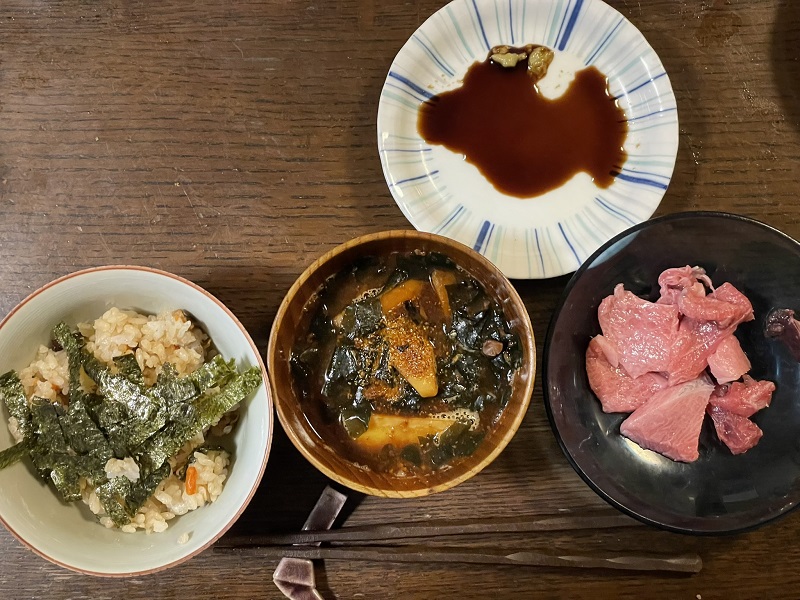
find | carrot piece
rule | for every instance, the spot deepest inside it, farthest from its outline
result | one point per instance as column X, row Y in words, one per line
column 191, row 481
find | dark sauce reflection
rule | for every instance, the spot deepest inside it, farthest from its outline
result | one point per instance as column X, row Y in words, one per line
column 523, row 143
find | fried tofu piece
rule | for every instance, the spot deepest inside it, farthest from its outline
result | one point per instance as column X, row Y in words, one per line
column 399, row 431
column 412, row 354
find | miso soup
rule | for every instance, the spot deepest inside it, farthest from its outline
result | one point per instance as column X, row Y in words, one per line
column 406, row 363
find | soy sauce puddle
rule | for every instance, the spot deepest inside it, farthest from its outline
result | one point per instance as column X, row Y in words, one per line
column 523, row 143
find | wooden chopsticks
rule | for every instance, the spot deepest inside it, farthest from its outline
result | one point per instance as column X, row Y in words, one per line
column 434, row 528
column 275, row 546
column 689, row 563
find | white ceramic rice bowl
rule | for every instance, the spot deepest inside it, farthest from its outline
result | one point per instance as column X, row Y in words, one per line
column 68, row 534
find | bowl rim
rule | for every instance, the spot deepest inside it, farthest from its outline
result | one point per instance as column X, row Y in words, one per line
column 527, row 390
column 267, row 390
column 545, row 370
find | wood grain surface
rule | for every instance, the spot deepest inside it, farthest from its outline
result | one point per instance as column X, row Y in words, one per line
column 233, row 141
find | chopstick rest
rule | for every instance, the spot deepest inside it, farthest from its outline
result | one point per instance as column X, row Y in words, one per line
column 294, row 576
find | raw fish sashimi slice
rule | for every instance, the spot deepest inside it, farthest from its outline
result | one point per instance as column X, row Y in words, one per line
column 694, row 303
column 698, row 339
column 608, row 349
column 744, row 399
column 670, row 422
column 673, row 281
column 615, row 389
column 744, row 309
column 738, row 433
column 695, row 342
column 641, row 331
column 728, row 362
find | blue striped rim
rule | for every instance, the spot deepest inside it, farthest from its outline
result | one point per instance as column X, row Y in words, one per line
column 406, row 150
column 566, row 239
column 554, row 43
column 411, row 84
column 404, row 91
column 652, row 114
column 434, row 57
column 417, row 178
column 614, row 211
column 637, row 80
column 511, row 21
column 539, row 251
column 562, row 43
column 458, row 210
column 640, row 86
column 639, row 180
column 645, row 173
column 576, row 239
column 590, row 60
column 480, row 23
column 483, row 235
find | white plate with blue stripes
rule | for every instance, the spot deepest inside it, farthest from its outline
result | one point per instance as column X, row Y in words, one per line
column 551, row 234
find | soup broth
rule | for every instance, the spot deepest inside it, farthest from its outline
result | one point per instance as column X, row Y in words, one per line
column 406, row 363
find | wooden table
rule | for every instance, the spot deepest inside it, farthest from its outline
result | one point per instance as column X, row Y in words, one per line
column 233, row 141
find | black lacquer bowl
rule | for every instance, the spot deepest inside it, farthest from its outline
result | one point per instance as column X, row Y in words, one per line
column 719, row 493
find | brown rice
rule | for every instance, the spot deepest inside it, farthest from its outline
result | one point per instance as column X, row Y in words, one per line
column 154, row 340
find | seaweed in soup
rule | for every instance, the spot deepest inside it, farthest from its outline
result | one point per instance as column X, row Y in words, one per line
column 406, row 364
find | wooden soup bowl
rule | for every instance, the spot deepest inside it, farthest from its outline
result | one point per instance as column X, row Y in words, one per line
column 292, row 319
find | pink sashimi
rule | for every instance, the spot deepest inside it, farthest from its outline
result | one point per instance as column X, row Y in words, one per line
column 744, row 399
column 698, row 339
column 695, row 342
column 728, row 362
column 744, row 309
column 657, row 359
column 617, row 391
column 641, row 331
column 694, row 304
column 608, row 349
column 673, row 281
column 738, row 433
column 669, row 423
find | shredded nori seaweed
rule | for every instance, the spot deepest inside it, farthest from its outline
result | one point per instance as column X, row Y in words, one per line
column 13, row 396
column 51, row 454
column 197, row 416
column 128, row 367
column 121, row 498
column 125, row 418
column 14, row 454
